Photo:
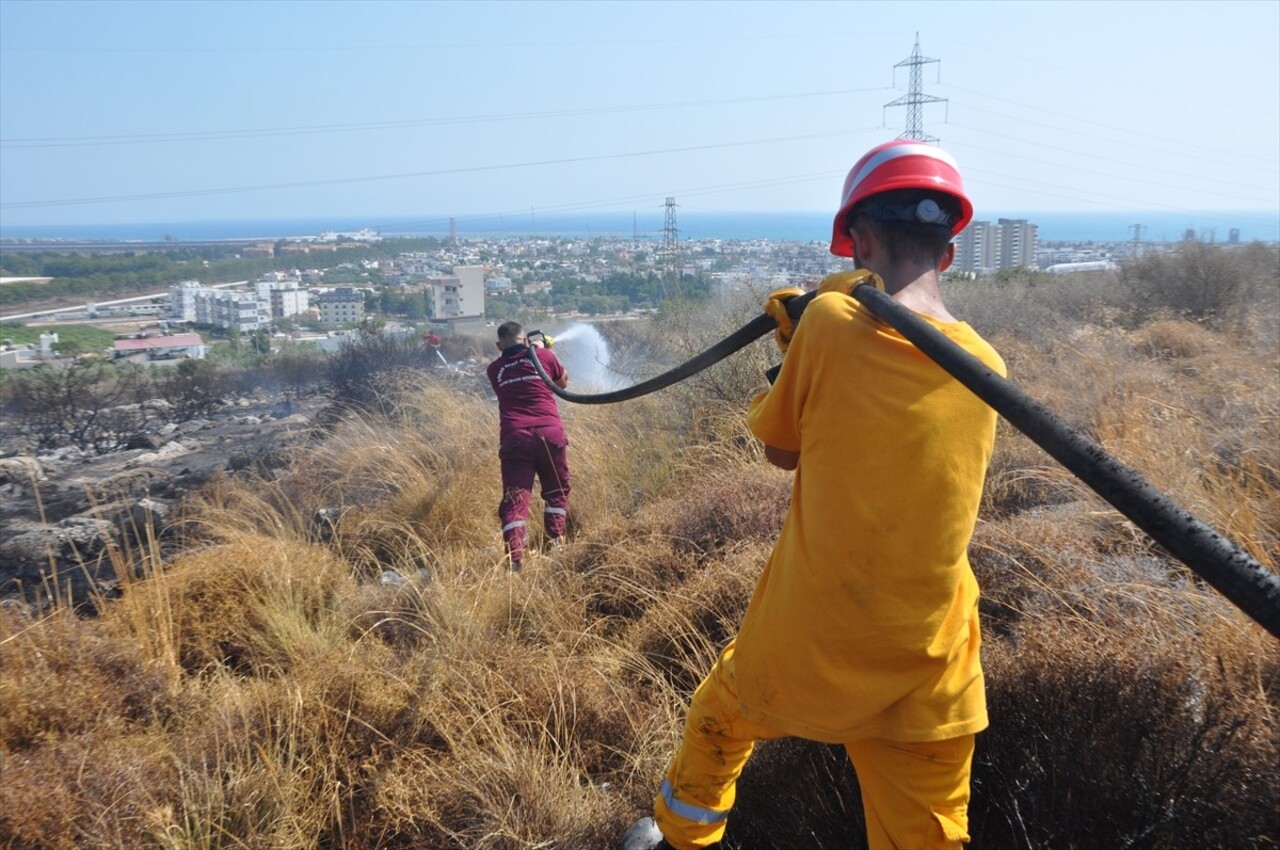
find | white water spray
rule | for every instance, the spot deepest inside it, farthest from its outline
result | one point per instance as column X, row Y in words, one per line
column 585, row 354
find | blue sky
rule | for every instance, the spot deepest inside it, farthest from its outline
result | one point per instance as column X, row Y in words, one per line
column 137, row 111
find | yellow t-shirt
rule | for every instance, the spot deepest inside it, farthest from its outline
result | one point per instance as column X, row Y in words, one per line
column 865, row 621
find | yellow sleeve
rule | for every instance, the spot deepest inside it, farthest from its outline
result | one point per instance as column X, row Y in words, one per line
column 774, row 415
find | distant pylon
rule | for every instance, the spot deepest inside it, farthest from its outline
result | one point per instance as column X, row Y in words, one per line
column 670, row 245
column 915, row 97
column 1137, row 239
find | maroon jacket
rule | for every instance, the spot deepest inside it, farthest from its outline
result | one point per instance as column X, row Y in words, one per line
column 525, row 402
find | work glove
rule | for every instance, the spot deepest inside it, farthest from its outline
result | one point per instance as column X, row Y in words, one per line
column 844, row 282
column 776, row 307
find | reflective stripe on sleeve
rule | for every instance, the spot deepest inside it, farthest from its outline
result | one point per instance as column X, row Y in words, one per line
column 560, row 511
column 697, row 814
column 512, row 525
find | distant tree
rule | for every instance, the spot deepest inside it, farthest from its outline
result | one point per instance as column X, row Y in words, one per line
column 260, row 342
column 302, row 370
column 91, row 404
column 192, row 388
column 502, row 306
column 596, row 305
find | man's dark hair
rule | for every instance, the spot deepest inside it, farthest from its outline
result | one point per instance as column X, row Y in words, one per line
column 510, row 331
column 904, row 238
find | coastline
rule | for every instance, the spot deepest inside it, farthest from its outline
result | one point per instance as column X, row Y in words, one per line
column 1210, row 226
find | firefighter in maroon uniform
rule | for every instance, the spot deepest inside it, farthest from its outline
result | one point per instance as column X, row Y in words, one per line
column 532, row 439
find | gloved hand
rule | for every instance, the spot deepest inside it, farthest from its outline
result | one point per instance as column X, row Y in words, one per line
column 776, row 307
column 844, row 282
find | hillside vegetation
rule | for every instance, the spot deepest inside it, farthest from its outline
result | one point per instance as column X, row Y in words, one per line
column 339, row 659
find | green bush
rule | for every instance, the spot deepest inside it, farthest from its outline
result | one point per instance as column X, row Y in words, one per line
column 1204, row 283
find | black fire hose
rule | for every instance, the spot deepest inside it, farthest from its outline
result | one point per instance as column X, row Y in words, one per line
column 1252, row 587
column 1241, row 578
column 739, row 339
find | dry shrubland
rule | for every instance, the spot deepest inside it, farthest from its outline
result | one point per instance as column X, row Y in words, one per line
column 339, row 658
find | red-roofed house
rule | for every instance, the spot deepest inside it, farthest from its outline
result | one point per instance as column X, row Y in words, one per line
column 161, row 347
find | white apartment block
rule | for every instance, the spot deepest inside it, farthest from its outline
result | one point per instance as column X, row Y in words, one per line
column 229, row 308
column 289, row 302
column 459, row 296
column 182, row 299
column 284, row 296
column 192, row 301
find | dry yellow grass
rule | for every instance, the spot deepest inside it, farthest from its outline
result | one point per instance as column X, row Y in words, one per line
column 339, row 658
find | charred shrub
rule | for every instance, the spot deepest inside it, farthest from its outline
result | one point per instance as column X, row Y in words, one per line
column 359, row 373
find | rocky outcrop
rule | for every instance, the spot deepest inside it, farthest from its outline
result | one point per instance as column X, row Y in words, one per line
column 69, row 520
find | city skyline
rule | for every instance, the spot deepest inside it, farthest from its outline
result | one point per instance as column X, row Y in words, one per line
column 117, row 112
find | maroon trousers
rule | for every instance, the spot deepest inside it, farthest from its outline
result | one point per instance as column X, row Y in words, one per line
column 524, row 454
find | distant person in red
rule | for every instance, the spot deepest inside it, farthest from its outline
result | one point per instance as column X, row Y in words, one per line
column 532, row 439
column 432, row 339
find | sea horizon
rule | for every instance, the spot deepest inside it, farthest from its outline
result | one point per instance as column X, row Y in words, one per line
column 1053, row 226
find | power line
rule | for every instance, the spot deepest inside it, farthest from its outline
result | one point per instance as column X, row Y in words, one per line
column 413, row 174
column 385, row 48
column 631, row 200
column 1054, row 190
column 1177, row 150
column 1075, row 119
column 321, row 129
column 1127, row 177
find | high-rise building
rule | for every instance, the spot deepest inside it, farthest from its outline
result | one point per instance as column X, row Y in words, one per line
column 983, row 247
column 1017, row 243
column 976, row 248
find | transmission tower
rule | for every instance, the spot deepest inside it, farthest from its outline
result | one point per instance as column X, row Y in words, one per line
column 915, row 97
column 670, row 252
column 1137, row 238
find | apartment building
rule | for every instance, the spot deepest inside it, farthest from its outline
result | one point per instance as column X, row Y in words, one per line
column 289, row 302
column 283, row 296
column 983, row 247
column 341, row 307
column 230, row 308
column 1017, row 243
column 457, row 301
column 182, row 299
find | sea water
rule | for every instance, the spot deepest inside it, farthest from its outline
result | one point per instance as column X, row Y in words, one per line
column 1055, row 226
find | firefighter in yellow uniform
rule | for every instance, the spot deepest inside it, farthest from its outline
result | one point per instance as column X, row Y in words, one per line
column 863, row 629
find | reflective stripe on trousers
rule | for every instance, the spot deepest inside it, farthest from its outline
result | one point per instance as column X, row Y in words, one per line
column 524, row 456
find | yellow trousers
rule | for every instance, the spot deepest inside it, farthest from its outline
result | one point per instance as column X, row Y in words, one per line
column 915, row 795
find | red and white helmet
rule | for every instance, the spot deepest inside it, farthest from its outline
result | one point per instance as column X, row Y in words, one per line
column 900, row 164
